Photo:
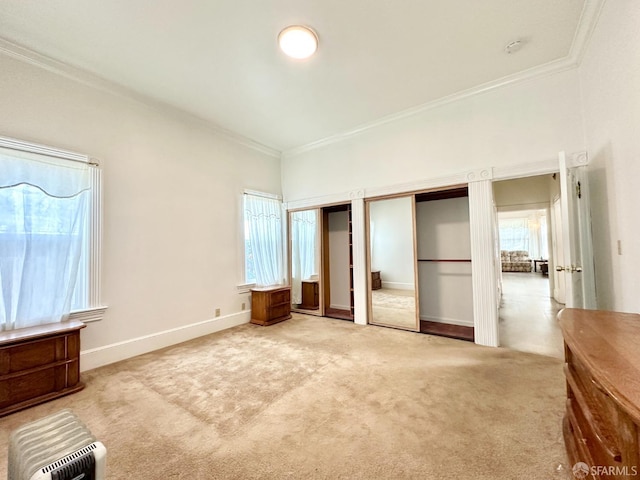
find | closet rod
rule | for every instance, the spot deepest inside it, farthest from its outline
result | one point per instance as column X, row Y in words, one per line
column 443, row 260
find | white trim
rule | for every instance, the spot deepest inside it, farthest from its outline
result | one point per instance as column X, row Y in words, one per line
column 315, row 202
column 398, row 285
column 245, row 287
column 448, row 321
column 256, row 193
column 95, row 238
column 417, row 186
column 359, row 251
column 84, row 77
column 116, row 352
column 526, row 170
column 586, row 25
column 87, row 315
column 23, row 146
column 577, row 159
column 483, row 269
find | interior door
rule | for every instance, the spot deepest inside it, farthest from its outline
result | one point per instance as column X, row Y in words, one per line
column 576, row 229
column 557, row 249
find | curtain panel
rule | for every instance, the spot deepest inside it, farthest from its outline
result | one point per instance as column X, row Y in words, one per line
column 43, row 230
column 263, row 228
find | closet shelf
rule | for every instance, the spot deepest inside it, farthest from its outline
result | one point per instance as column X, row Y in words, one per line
column 444, row 260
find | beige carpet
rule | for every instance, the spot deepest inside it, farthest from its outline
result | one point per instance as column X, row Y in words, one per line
column 394, row 307
column 322, row 399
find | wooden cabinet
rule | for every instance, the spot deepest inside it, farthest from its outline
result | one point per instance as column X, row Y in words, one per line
column 376, row 281
column 602, row 422
column 39, row 364
column 270, row 305
column 310, row 295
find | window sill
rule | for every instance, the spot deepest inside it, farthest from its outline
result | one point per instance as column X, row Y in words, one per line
column 245, row 287
column 92, row 314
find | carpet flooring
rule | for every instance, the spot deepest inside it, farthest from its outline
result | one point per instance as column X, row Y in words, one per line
column 315, row 398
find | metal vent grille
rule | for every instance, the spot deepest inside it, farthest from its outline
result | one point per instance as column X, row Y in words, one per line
column 69, row 458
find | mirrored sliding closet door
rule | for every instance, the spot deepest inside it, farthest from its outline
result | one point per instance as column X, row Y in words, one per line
column 306, row 285
column 392, row 263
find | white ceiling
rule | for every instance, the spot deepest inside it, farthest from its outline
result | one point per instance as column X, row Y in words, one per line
column 218, row 59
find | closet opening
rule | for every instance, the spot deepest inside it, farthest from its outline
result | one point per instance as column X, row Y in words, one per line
column 444, row 263
column 419, row 262
column 337, row 255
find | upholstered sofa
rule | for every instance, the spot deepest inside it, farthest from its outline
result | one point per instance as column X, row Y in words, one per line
column 515, row 261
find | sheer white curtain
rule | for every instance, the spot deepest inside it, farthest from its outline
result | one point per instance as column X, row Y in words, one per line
column 303, row 250
column 263, row 224
column 527, row 233
column 43, row 214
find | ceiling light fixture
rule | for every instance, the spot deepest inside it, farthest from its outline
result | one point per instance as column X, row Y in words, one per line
column 298, row 41
column 513, row 47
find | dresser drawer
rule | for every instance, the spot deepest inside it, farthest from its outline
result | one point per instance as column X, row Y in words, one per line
column 279, row 311
column 279, row 297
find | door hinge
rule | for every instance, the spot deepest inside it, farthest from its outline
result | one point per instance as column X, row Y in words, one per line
column 578, row 190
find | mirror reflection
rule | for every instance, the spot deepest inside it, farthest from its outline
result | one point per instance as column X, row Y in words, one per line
column 305, row 260
column 392, row 263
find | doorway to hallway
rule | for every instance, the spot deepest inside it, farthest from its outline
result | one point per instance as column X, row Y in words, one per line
column 528, row 315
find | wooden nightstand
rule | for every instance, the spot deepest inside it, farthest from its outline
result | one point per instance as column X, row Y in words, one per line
column 270, row 305
column 310, row 295
column 376, row 281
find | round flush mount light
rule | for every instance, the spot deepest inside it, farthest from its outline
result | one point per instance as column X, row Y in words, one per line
column 298, row 41
column 513, row 47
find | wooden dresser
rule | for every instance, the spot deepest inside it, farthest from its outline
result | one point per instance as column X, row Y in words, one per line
column 270, row 305
column 602, row 421
column 39, row 364
column 310, row 295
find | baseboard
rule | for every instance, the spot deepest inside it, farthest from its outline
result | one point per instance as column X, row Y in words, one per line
column 398, row 285
column 97, row 357
column 449, row 321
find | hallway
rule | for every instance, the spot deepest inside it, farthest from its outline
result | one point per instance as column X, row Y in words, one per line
column 528, row 315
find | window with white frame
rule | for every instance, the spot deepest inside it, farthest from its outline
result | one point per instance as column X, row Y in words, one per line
column 49, row 236
column 263, row 239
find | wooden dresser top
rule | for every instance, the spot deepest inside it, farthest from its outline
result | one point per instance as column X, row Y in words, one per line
column 20, row 335
column 608, row 343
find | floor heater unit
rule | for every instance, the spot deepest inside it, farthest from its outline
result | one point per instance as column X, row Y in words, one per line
column 57, row 447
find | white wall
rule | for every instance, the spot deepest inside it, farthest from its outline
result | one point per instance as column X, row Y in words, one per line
column 446, row 291
column 339, row 276
column 522, row 193
column 392, row 242
column 172, row 192
column 610, row 79
column 516, row 124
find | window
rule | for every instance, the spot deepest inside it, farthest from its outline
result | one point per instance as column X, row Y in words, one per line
column 526, row 230
column 49, row 236
column 263, row 239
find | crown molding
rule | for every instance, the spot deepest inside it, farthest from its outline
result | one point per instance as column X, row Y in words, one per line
column 586, row 25
column 84, row 77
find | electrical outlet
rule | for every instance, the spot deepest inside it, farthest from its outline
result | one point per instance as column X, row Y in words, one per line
column 243, row 306
column 217, row 312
